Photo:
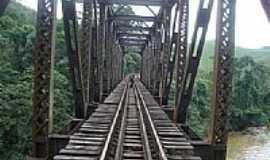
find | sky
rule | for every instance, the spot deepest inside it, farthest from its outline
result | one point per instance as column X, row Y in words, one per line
column 252, row 27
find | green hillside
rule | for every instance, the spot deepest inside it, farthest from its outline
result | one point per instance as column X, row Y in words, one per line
column 261, row 55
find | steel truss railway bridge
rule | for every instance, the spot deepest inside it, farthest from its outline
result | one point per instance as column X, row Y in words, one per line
column 113, row 120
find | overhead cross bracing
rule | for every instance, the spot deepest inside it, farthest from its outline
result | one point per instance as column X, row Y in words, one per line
column 135, row 2
column 133, row 18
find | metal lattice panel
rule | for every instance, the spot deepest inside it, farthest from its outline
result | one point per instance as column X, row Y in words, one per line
column 43, row 79
column 195, row 53
column 222, row 95
column 181, row 49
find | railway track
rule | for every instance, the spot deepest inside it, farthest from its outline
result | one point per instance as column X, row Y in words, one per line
column 132, row 127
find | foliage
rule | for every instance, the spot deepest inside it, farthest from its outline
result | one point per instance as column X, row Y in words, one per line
column 251, row 82
column 251, row 89
column 17, row 35
column 132, row 63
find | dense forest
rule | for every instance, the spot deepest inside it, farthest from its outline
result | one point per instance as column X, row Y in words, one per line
column 251, row 87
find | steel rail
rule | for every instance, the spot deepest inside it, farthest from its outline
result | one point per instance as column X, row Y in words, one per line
column 119, row 149
column 152, row 127
column 113, row 126
column 143, row 128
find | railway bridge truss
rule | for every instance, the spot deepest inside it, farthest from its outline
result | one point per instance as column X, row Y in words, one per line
column 112, row 119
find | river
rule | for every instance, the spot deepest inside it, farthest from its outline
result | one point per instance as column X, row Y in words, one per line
column 249, row 146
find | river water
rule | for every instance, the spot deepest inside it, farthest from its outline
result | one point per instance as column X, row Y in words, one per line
column 249, row 147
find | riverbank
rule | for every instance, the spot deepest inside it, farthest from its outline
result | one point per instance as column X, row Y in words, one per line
column 252, row 144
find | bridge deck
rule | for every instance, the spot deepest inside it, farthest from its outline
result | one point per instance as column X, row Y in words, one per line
column 128, row 125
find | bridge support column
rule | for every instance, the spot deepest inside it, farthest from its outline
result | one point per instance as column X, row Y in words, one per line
column 43, row 57
column 165, row 53
column 158, row 66
column 72, row 44
column 195, row 53
column 101, row 48
column 86, row 53
column 181, row 53
column 223, row 68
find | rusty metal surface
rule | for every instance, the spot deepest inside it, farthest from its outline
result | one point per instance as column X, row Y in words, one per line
column 173, row 51
column 181, row 51
column 101, row 49
column 43, row 57
column 72, row 44
column 165, row 53
column 86, row 49
column 195, row 53
column 223, row 68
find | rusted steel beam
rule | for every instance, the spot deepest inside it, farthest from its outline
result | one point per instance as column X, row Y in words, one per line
column 171, row 65
column 134, row 35
column 139, row 41
column 94, row 87
column 43, row 57
column 131, row 44
column 136, row 2
column 71, row 38
column 3, row 6
column 223, row 71
column 195, row 52
column 107, row 68
column 86, row 49
column 101, row 48
column 133, row 39
column 110, row 54
column 165, row 54
column 134, row 28
column 181, row 52
column 266, row 7
column 133, row 18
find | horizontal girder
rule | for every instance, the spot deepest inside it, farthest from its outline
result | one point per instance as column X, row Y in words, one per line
column 133, row 39
column 131, row 44
column 134, row 2
column 133, row 18
column 122, row 35
column 134, row 28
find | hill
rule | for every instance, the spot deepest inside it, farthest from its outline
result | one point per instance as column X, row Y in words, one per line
column 261, row 55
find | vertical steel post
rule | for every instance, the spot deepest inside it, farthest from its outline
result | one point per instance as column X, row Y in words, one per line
column 195, row 53
column 101, row 48
column 86, row 49
column 114, row 60
column 43, row 57
column 110, row 55
column 158, row 60
column 181, row 52
column 72, row 44
column 94, row 87
column 171, row 64
column 223, row 68
column 165, row 51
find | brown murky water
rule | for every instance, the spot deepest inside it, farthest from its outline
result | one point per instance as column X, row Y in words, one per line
column 249, row 147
